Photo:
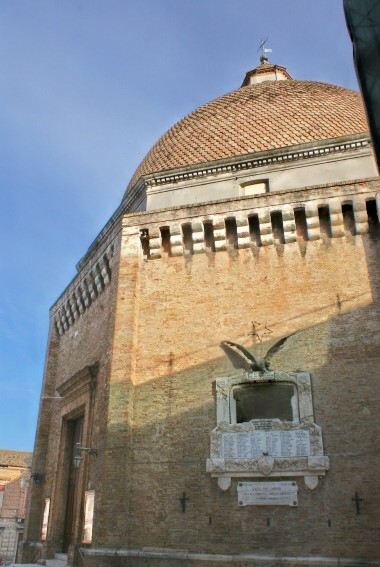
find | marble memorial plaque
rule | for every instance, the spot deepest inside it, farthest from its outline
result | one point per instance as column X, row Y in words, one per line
column 276, row 493
column 253, row 444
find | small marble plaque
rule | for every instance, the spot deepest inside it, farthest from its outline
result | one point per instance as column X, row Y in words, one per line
column 276, row 493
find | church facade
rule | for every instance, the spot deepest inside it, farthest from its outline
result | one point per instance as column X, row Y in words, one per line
column 254, row 218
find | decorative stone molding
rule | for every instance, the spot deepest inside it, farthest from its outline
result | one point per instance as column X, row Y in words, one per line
column 294, row 448
column 82, row 382
column 85, row 293
column 153, row 247
column 246, row 164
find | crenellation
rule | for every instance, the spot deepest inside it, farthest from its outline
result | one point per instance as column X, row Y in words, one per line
column 73, row 307
column 198, row 235
column 360, row 215
column 336, row 218
column 333, row 218
column 312, row 222
column 289, row 224
column 98, row 280
column 85, row 293
column 64, row 320
column 91, row 286
column 69, row 316
column 105, row 269
column 176, row 248
column 242, row 227
column 155, row 243
column 79, row 300
column 219, row 227
column 58, row 325
column 266, row 234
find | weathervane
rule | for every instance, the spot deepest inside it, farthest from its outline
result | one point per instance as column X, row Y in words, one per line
column 264, row 50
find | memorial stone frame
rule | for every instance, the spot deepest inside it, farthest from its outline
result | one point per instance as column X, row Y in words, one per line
column 282, row 440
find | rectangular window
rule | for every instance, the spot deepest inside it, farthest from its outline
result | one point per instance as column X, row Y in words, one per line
column 251, row 188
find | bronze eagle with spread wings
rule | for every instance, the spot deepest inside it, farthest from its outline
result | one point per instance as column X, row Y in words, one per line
column 242, row 358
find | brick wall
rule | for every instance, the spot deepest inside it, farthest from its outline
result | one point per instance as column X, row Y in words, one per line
column 328, row 292
column 12, row 515
column 155, row 332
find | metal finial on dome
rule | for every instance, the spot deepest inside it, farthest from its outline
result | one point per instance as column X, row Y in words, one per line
column 264, row 50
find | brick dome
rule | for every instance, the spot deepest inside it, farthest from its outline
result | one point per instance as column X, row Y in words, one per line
column 256, row 118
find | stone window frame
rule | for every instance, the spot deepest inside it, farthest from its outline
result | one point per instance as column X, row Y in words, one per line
column 310, row 467
column 233, row 407
column 253, row 187
column 301, row 381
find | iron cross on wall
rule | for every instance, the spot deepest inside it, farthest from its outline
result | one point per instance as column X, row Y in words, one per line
column 184, row 499
column 357, row 501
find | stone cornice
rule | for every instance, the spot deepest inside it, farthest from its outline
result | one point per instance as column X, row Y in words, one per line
column 82, row 380
column 259, row 159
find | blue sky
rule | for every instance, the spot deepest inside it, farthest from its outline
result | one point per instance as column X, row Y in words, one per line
column 86, row 88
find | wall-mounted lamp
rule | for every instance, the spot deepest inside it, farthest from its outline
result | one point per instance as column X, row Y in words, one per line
column 23, row 482
column 25, row 477
column 78, row 454
column 37, row 477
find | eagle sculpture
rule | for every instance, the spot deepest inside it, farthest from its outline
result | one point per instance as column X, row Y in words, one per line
column 242, row 358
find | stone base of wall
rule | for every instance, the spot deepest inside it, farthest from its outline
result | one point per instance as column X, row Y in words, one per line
column 29, row 551
column 164, row 558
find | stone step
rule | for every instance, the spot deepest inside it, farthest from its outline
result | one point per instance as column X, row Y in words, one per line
column 60, row 560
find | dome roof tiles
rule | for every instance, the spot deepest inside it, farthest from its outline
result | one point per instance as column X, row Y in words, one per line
column 257, row 118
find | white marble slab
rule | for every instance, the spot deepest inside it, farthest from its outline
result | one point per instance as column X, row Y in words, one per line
column 253, row 444
column 275, row 493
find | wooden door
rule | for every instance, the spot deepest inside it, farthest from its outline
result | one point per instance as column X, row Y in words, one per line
column 75, row 430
